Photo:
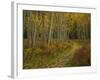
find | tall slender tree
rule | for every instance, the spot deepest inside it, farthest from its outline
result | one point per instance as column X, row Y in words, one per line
column 50, row 29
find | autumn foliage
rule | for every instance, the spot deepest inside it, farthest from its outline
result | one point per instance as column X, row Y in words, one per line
column 56, row 39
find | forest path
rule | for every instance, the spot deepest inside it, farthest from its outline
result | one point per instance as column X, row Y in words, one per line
column 66, row 56
column 59, row 59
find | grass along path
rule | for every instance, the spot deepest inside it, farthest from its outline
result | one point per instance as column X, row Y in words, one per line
column 51, row 60
column 64, row 58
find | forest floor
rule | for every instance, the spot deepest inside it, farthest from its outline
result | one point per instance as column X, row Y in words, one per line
column 65, row 54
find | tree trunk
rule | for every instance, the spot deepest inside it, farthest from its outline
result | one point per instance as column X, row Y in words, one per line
column 50, row 29
column 29, row 30
column 35, row 29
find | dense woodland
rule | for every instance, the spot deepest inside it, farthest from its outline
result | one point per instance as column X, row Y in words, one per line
column 55, row 34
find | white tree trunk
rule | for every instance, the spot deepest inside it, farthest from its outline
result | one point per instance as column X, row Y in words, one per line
column 50, row 30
